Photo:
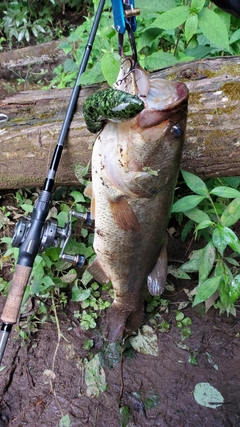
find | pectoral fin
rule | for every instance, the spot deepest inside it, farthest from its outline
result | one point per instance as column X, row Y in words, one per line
column 97, row 271
column 123, row 215
column 157, row 278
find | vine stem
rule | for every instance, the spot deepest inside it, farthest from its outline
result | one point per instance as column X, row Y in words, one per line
column 59, row 332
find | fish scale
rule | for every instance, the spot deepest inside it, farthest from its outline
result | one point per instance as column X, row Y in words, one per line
column 135, row 165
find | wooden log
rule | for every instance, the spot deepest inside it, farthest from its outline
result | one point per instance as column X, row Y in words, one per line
column 29, row 67
column 212, row 147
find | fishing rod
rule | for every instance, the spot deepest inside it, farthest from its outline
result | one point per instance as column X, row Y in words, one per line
column 33, row 235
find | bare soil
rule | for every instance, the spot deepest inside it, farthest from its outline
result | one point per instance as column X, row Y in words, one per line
column 28, row 398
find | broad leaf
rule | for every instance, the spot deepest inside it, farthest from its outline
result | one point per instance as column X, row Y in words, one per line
column 197, row 5
column 191, row 26
column 193, row 264
column 227, row 192
column 235, row 36
column 232, row 213
column 95, row 377
column 196, row 184
column 187, row 203
column 159, row 59
column 157, row 5
column 213, row 28
column 178, row 272
column 207, row 260
column 172, row 18
column 197, row 215
column 208, row 396
column 229, row 237
column 206, row 289
column 234, row 289
column 65, row 421
column 146, row 341
column 218, row 241
column 80, row 294
column 204, row 224
column 110, row 67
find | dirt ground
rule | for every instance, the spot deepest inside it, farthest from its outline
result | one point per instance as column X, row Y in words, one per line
column 29, row 397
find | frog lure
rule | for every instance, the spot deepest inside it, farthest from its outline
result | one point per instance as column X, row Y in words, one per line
column 111, row 104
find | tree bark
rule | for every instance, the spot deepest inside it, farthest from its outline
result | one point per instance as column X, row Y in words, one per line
column 212, row 146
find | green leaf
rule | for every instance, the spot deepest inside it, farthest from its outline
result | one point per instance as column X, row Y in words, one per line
column 148, row 37
column 218, row 241
column 95, row 377
column 70, row 66
column 27, row 207
column 78, row 197
column 197, row 5
column 86, row 277
column 204, row 224
column 232, row 213
column 197, row 215
column 196, row 184
column 81, row 171
column 213, row 28
column 65, row 421
column 158, row 60
column 206, row 395
column 227, row 192
column 187, row 203
column 158, row 5
column 178, row 273
column 179, row 316
column 206, row 289
column 172, row 18
column 110, row 67
column 235, row 36
column 80, row 294
column 69, row 277
column 124, row 416
column 229, row 237
column 152, row 401
column 207, row 260
column 193, row 264
column 234, row 289
column 191, row 26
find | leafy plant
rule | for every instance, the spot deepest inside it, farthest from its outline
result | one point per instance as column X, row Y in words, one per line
column 167, row 32
column 21, row 20
column 214, row 210
column 51, row 277
column 183, row 323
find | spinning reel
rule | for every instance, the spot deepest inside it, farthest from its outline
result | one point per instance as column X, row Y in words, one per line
column 52, row 235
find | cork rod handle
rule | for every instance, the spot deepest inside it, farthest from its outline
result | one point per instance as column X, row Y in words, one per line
column 14, row 300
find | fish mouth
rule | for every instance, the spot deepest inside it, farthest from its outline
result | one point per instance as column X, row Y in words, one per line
column 164, row 99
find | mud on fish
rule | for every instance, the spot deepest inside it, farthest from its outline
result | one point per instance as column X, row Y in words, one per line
column 135, row 164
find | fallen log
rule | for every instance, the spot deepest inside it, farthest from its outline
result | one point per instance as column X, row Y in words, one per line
column 212, row 147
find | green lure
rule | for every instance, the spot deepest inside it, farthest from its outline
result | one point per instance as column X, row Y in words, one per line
column 110, row 104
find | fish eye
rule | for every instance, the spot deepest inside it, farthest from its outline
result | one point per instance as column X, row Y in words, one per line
column 177, row 130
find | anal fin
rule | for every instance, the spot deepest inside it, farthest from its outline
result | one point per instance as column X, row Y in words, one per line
column 156, row 280
column 96, row 270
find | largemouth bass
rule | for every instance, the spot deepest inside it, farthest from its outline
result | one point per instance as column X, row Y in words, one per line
column 135, row 165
